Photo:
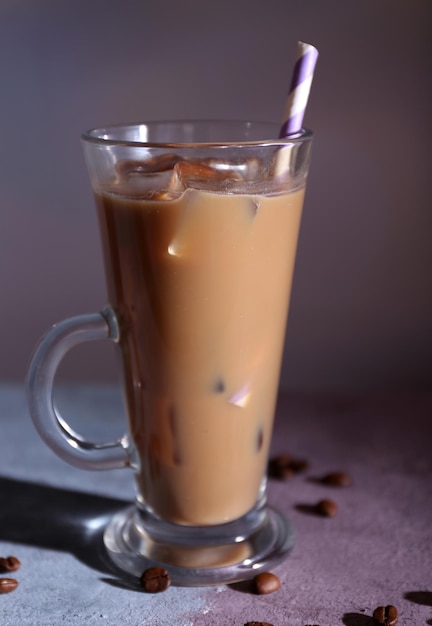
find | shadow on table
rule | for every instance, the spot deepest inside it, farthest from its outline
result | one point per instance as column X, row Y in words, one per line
column 357, row 619
column 57, row 519
column 419, row 597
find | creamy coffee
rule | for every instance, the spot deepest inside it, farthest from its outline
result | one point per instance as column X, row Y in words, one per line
column 200, row 281
column 199, row 223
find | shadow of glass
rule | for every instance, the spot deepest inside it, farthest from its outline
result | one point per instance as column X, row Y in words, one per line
column 57, row 519
column 126, row 582
column 243, row 586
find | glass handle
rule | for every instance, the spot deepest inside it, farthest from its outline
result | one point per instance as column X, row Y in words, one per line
column 52, row 428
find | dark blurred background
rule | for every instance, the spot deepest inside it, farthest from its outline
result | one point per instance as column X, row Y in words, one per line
column 361, row 315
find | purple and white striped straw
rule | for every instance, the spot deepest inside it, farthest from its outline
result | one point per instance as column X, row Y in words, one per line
column 298, row 94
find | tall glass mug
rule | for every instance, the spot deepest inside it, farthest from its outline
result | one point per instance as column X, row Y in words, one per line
column 199, row 224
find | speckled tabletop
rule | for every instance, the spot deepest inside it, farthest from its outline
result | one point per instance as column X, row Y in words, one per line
column 376, row 551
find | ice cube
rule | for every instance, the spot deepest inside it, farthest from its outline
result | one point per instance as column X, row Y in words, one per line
column 160, row 163
column 254, row 168
column 244, row 169
column 240, row 398
column 176, row 184
column 204, row 175
column 253, row 206
column 152, row 179
column 178, row 245
column 248, row 175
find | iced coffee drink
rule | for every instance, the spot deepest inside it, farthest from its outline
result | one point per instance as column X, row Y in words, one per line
column 199, row 223
column 199, row 259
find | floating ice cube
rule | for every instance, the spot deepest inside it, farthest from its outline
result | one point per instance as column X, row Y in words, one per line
column 240, row 398
column 204, row 175
column 178, row 244
column 253, row 206
column 166, row 176
column 245, row 169
column 254, row 169
column 176, row 184
column 161, row 163
column 151, row 178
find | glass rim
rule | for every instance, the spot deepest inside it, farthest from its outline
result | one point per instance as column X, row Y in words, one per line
column 99, row 135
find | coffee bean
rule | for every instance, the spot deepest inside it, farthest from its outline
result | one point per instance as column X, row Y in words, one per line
column 299, row 465
column 285, row 466
column 280, row 472
column 386, row 615
column 278, row 467
column 9, row 564
column 8, row 584
column 258, row 624
column 336, row 479
column 265, row 582
column 326, row 508
column 155, row 580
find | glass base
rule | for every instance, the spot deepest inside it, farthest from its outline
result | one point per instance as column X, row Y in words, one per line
column 197, row 556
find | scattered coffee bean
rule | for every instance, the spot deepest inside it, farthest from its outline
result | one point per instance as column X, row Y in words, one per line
column 299, row 466
column 265, row 582
column 9, row 564
column 278, row 467
column 281, row 473
column 155, row 580
column 326, row 508
column 285, row 466
column 258, row 624
column 336, row 479
column 8, row 584
column 386, row 615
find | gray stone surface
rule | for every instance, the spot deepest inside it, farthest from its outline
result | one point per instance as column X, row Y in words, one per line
column 376, row 551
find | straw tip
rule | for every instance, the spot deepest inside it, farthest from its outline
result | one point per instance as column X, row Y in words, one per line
column 304, row 47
